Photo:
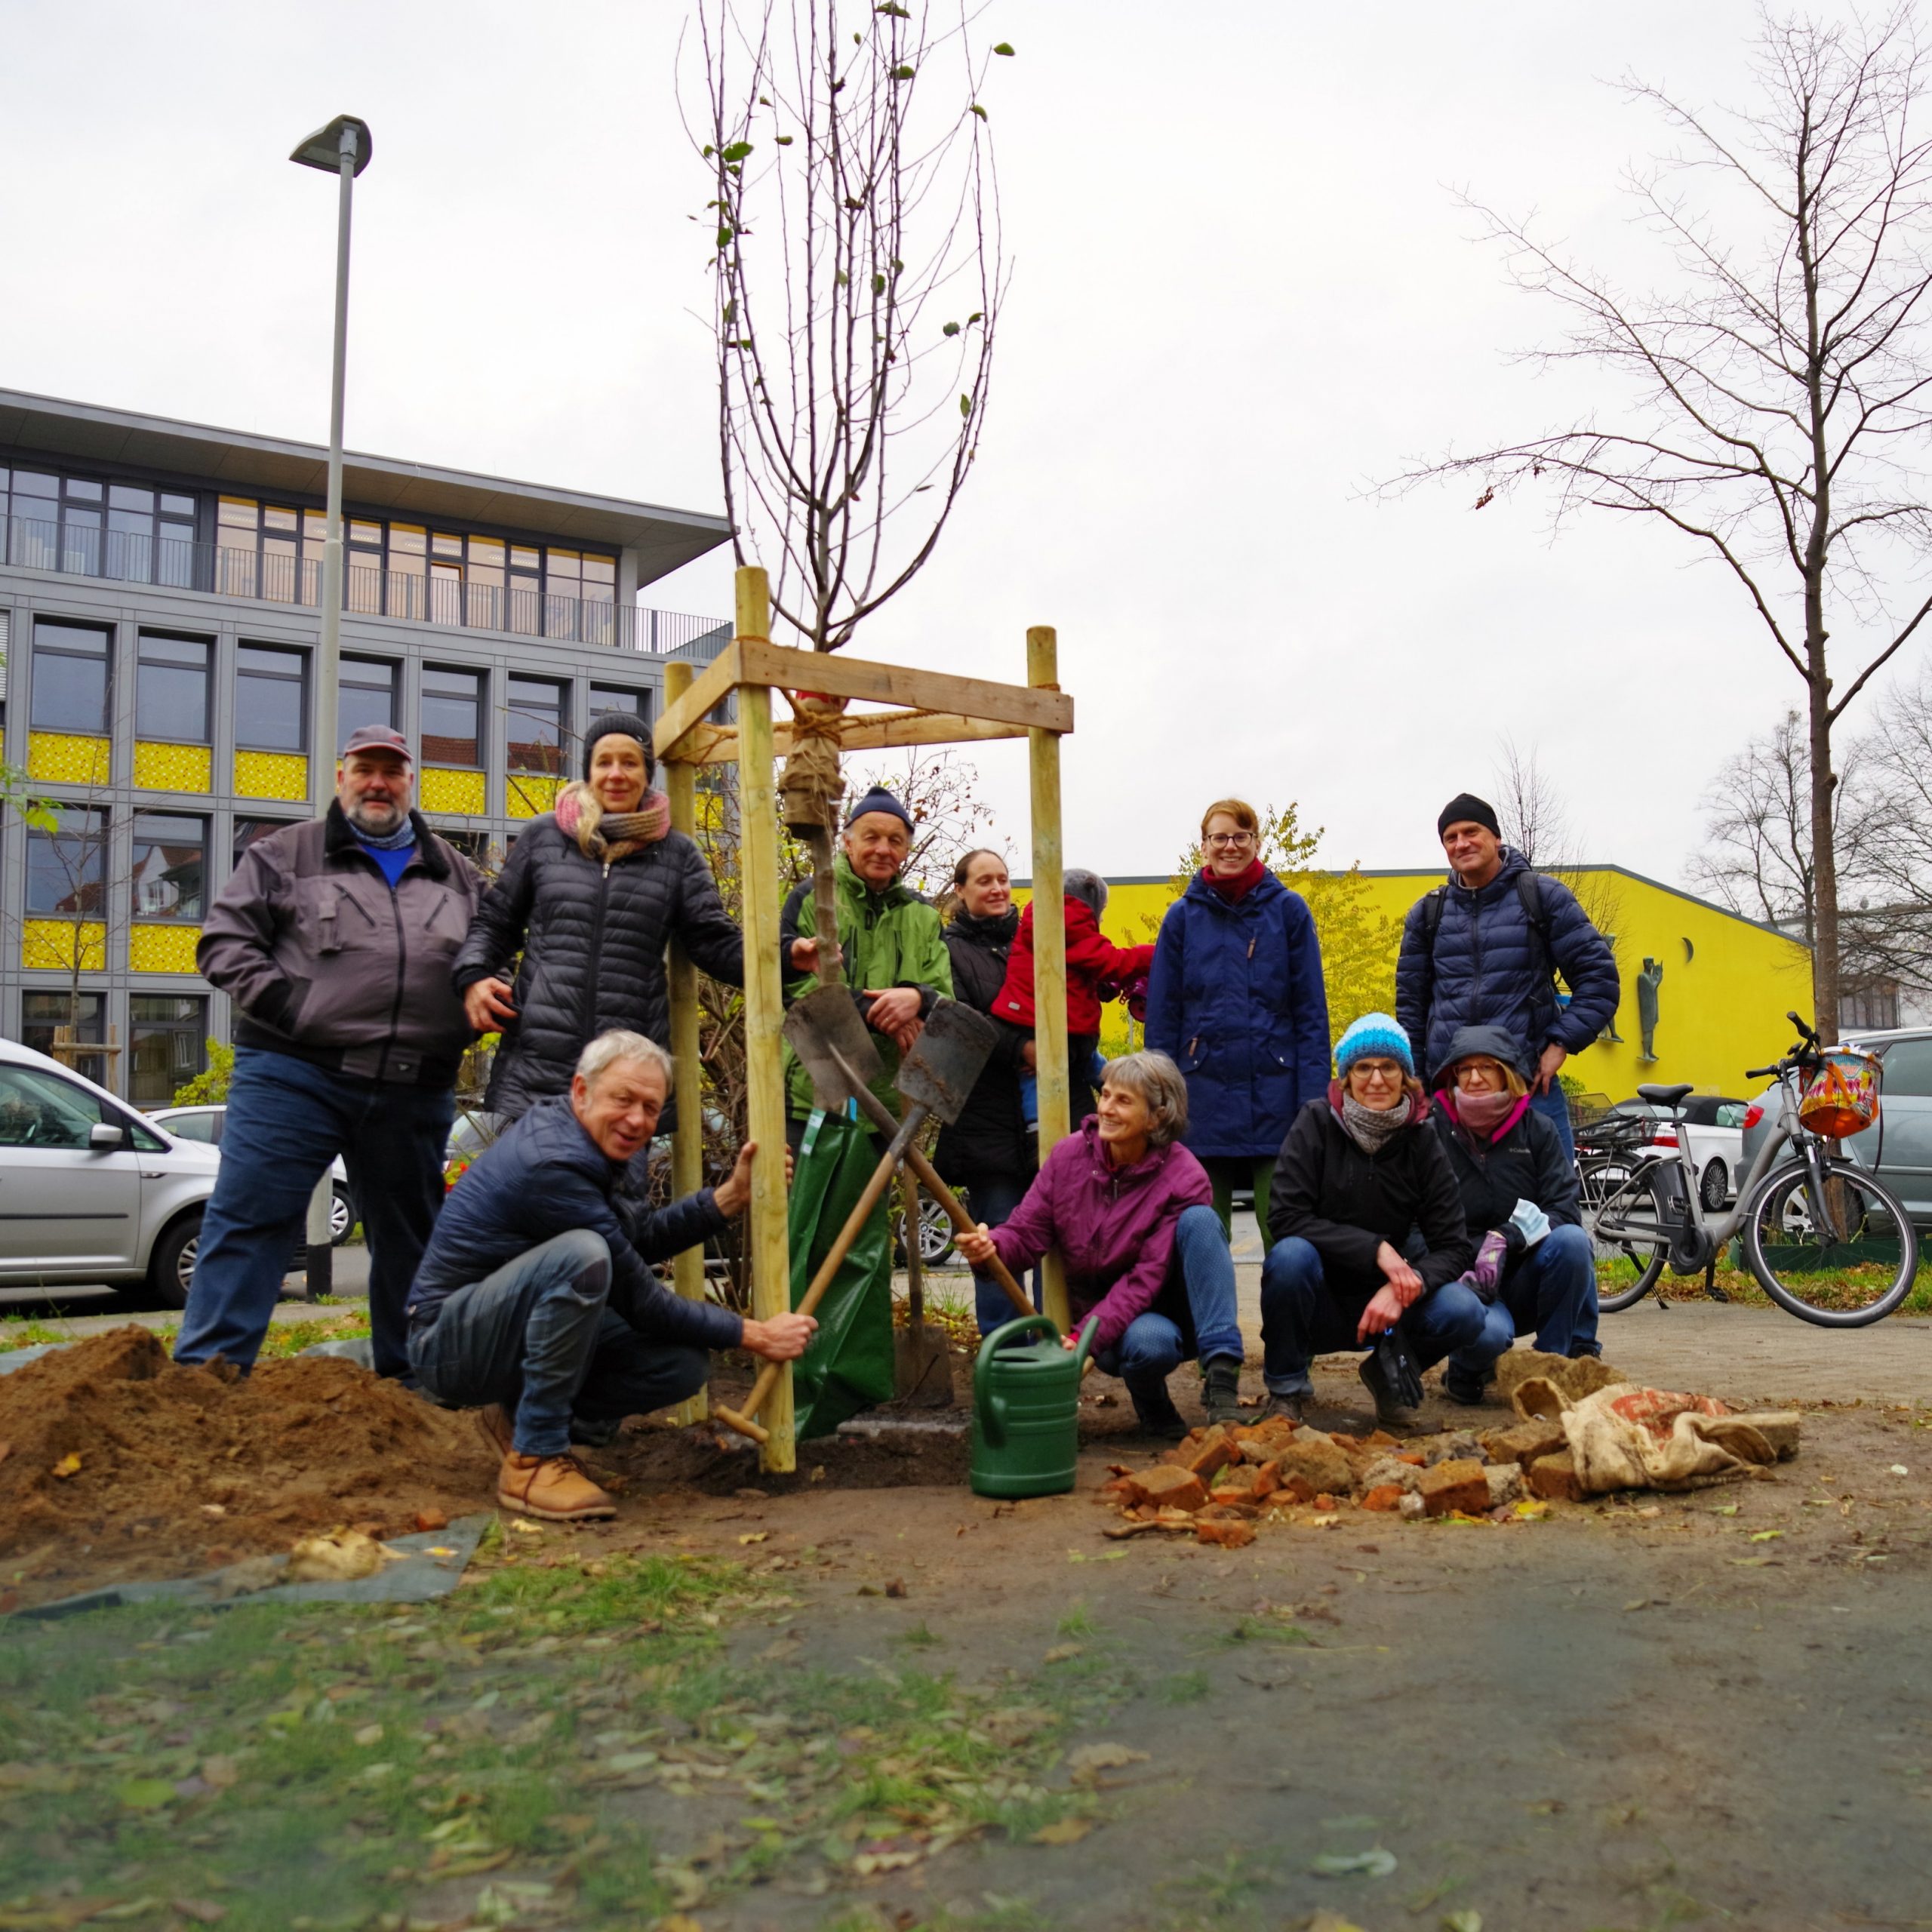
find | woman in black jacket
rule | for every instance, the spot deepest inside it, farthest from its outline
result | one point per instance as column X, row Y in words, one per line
column 1533, row 1267
column 1361, row 1174
column 591, row 894
column 987, row 1150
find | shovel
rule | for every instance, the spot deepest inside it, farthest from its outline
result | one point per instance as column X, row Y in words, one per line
column 836, row 1049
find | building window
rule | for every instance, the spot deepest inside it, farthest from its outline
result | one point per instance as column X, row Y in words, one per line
column 67, row 867
column 475, row 846
column 271, row 699
column 581, row 590
column 268, row 551
column 536, row 725
column 170, row 872
column 171, row 688
column 452, row 717
column 247, row 830
column 366, row 696
column 150, row 536
column 70, row 678
column 1874, row 1006
column 170, row 1045
column 618, row 697
column 41, row 1014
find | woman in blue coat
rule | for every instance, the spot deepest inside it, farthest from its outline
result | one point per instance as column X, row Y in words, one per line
column 1236, row 1000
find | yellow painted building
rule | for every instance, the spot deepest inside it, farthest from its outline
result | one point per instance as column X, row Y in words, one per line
column 1727, row 982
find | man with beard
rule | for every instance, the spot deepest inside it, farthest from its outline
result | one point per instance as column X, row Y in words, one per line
column 334, row 939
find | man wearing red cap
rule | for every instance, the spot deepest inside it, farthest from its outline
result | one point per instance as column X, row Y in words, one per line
column 334, row 940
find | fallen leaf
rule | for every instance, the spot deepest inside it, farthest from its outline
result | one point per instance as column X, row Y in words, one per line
column 70, row 1464
column 1375, row 1864
column 754, row 1536
column 678, row 1921
column 1724, row 1510
column 1898, row 1468
column 1330, row 1922
column 1751, row 1562
column 1461, row 1921
column 1085, row 1764
column 528, row 1529
column 1765, row 1536
column 220, row 1772
column 145, row 1793
column 343, row 1558
column 1638, row 1602
column 370, row 1733
column 1061, row 1653
column 207, row 1509
column 1066, row 1831
column 203, row 1912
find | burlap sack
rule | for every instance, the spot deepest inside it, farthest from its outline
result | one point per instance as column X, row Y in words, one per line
column 1628, row 1438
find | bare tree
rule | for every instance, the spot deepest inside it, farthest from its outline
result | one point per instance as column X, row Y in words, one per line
column 1756, row 857
column 1535, row 818
column 1775, row 393
column 1890, row 930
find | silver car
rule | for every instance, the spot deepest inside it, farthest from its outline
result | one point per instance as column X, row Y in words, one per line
column 90, row 1192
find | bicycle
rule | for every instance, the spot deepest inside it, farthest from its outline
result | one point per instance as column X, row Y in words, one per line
column 1827, row 1241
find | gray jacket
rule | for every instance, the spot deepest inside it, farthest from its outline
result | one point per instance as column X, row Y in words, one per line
column 325, row 962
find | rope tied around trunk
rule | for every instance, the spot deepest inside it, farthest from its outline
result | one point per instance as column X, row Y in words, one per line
column 810, row 785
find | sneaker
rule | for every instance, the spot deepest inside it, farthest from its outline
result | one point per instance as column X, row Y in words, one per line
column 554, row 1487
column 1220, row 1390
column 1288, row 1407
column 1466, row 1389
column 495, row 1425
column 1154, row 1409
column 1389, row 1414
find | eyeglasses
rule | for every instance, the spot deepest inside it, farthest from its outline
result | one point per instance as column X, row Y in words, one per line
column 1383, row 1071
column 1230, row 838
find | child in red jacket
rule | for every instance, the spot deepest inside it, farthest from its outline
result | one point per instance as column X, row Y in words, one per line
column 1096, row 971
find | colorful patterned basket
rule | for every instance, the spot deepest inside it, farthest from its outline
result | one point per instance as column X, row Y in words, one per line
column 1842, row 1098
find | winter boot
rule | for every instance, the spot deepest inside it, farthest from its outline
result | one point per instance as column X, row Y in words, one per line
column 1155, row 1410
column 1288, row 1407
column 553, row 1487
column 1389, row 1414
column 1467, row 1389
column 1220, row 1389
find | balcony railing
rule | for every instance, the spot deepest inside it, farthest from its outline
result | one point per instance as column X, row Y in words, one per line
column 124, row 557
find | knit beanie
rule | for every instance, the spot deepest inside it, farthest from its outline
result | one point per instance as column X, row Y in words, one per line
column 619, row 724
column 878, row 799
column 1466, row 808
column 1090, row 888
column 1374, row 1035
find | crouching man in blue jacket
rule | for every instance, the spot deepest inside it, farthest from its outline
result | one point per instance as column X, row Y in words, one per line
column 534, row 1304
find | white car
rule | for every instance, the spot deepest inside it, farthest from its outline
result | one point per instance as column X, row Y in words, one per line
column 90, row 1191
column 1716, row 1128
column 207, row 1124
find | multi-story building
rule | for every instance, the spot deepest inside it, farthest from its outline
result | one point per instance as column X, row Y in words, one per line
column 159, row 586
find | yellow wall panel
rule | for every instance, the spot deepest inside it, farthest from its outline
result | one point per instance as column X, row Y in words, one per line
column 271, row 775
column 160, row 767
column 441, row 789
column 49, row 945
column 67, row 759
column 527, row 795
column 1727, row 982
column 159, row 948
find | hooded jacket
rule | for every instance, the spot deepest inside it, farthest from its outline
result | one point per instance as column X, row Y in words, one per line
column 1114, row 1228
column 1093, row 961
column 1522, row 1161
column 326, row 962
column 1236, row 1001
column 891, row 938
column 591, row 934
column 545, row 1178
column 1345, row 1203
column 1488, row 967
column 990, row 1136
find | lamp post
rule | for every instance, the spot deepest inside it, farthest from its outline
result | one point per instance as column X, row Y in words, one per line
column 342, row 149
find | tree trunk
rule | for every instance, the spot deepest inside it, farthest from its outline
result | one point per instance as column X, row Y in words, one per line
column 1824, row 857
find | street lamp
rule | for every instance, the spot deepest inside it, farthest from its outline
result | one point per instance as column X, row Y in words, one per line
column 342, row 149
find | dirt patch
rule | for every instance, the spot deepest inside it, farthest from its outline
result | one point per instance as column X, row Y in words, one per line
column 171, row 1470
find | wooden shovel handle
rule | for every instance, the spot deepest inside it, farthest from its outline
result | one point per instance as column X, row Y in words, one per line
column 965, row 1224
column 740, row 1419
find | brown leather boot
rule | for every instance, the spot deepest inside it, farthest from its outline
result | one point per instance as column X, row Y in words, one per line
column 554, row 1487
column 496, row 1427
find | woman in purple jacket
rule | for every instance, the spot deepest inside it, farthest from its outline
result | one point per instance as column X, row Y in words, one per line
column 1130, row 1210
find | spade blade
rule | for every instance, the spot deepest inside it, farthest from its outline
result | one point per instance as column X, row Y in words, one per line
column 825, row 1018
column 946, row 1059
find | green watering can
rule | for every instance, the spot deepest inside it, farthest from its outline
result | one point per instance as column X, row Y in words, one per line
column 1026, row 1411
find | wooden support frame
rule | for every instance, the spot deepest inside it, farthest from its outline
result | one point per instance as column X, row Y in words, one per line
column 923, row 708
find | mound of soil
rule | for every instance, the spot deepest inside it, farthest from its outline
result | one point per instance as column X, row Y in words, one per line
column 181, row 1470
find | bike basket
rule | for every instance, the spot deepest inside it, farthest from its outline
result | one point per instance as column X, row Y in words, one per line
column 1842, row 1097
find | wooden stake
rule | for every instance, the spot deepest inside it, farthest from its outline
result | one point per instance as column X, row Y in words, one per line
column 1049, row 943
column 764, row 1069
column 687, row 1140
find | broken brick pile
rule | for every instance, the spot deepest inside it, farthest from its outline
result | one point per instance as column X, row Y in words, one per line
column 1220, row 1482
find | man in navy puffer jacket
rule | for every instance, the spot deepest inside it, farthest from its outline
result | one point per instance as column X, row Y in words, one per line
column 1472, row 955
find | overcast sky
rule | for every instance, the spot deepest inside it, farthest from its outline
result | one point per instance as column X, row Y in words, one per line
column 1242, row 290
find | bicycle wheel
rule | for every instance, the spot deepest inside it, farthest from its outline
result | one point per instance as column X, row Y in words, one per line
column 1614, row 1191
column 1850, row 1264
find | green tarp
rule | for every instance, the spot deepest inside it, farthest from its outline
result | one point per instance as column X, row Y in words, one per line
column 848, row 1366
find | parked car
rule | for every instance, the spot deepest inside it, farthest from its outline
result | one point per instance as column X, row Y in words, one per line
column 207, row 1124
column 1715, row 1125
column 90, row 1191
column 1898, row 1146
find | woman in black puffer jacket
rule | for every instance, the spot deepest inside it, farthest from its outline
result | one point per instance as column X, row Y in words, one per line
column 591, row 894
column 987, row 1150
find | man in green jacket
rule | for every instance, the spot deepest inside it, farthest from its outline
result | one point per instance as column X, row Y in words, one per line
column 896, row 960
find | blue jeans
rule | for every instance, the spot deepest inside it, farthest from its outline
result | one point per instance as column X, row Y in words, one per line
column 992, row 1198
column 1154, row 1346
column 287, row 1121
column 1555, row 1108
column 536, row 1337
column 1303, row 1317
column 1551, row 1292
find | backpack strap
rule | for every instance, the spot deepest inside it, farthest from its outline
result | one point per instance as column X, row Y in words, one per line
column 1529, row 893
